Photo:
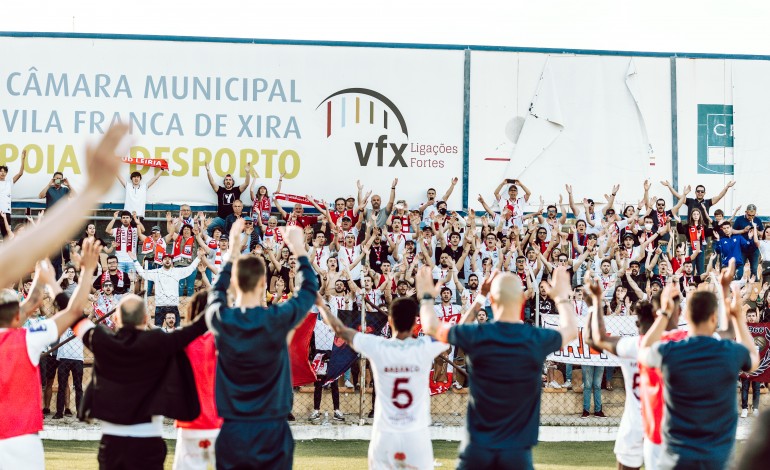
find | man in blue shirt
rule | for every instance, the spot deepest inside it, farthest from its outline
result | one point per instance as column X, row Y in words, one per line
column 730, row 247
column 253, row 381
column 700, row 422
column 743, row 226
column 505, row 361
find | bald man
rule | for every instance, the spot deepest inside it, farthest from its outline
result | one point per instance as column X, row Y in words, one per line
column 505, row 361
column 139, row 376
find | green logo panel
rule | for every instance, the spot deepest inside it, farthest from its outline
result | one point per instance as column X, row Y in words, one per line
column 715, row 139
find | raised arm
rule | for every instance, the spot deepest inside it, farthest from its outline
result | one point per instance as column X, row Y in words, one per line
column 671, row 188
column 449, row 190
column 718, row 197
column 558, row 289
column 389, row 206
column 572, row 206
column 18, row 256
column 212, row 183
column 668, row 301
column 74, row 311
column 21, row 168
column 246, row 182
column 156, row 178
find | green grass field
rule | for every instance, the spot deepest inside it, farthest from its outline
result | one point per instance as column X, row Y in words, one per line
column 342, row 455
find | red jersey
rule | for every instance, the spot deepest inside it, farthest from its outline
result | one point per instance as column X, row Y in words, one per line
column 651, row 391
column 203, row 359
column 20, row 386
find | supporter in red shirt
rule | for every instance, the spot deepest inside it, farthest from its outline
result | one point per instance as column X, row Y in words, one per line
column 297, row 216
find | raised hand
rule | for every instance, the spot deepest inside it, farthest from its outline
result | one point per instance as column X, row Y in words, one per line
column 568, row 187
column 101, row 161
column 294, row 237
column 424, row 282
column 647, row 185
column 235, row 237
column 558, row 288
column 487, row 284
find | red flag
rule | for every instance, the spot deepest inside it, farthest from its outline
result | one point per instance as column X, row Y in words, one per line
column 153, row 162
column 299, row 349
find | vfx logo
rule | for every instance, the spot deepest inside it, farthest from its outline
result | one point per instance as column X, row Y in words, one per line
column 350, row 101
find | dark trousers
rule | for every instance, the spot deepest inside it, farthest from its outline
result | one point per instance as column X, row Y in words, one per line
column 65, row 367
column 745, row 383
column 243, row 445
column 318, row 390
column 3, row 232
column 476, row 457
column 130, row 453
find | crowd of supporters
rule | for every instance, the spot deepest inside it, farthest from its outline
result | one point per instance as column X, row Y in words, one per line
column 366, row 249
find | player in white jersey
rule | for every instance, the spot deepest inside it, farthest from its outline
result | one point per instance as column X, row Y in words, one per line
column 629, row 444
column 401, row 367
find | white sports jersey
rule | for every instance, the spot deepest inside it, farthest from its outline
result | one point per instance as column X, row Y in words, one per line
column 346, row 257
column 401, row 370
column 629, row 442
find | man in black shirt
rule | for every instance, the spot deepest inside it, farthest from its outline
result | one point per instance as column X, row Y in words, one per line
column 120, row 280
column 700, row 200
column 226, row 195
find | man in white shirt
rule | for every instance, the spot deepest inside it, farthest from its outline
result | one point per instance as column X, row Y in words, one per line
column 69, row 357
column 167, row 279
column 401, row 365
column 6, row 188
column 136, row 192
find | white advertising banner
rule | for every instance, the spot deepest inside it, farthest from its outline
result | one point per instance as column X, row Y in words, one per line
column 751, row 99
column 704, row 91
column 578, row 352
column 324, row 116
column 549, row 120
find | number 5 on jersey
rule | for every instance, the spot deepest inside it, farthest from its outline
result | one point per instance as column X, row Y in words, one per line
column 398, row 392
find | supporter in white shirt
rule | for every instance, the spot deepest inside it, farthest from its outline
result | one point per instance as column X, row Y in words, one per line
column 513, row 202
column 6, row 188
column 136, row 192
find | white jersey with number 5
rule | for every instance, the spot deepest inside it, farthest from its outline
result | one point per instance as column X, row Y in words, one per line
column 629, row 442
column 401, row 370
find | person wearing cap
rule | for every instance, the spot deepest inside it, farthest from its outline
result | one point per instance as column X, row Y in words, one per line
column 136, row 192
column 742, row 225
column 167, row 278
column 731, row 246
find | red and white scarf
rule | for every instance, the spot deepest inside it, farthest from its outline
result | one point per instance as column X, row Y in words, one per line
column 159, row 247
column 106, row 277
column 127, row 235
column 261, row 209
column 185, row 252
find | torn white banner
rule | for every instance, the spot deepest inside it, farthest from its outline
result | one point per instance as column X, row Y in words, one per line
column 542, row 125
column 633, row 87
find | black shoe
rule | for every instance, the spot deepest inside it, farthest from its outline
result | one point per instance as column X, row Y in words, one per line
column 57, row 416
column 371, row 414
column 67, row 412
column 291, row 417
column 46, row 411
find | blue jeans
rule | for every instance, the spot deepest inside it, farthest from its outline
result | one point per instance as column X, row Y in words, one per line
column 699, row 263
column 592, row 381
column 745, row 383
column 188, row 284
column 753, row 259
column 568, row 372
column 608, row 372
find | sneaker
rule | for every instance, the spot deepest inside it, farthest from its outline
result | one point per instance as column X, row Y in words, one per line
column 457, row 385
column 348, row 384
column 585, row 414
column 291, row 417
column 554, row 384
column 338, row 416
column 315, row 415
column 57, row 416
column 46, row 411
column 756, row 412
column 744, row 412
column 567, row 384
column 67, row 412
column 599, row 414
column 371, row 414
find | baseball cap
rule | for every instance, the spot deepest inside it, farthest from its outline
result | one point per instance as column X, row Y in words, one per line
column 634, row 262
column 751, row 207
column 656, row 281
column 344, row 217
column 628, row 235
column 155, row 229
column 223, row 237
column 247, row 219
column 167, row 255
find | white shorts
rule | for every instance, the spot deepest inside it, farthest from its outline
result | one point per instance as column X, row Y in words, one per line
column 411, row 450
column 629, row 444
column 195, row 449
column 652, row 453
column 22, row 452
